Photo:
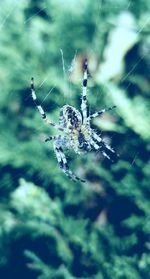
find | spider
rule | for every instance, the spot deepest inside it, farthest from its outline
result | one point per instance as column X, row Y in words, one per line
column 75, row 129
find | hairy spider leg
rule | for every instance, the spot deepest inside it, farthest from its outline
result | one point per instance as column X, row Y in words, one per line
column 98, row 113
column 62, row 161
column 100, row 140
column 40, row 109
column 84, row 93
column 94, row 144
column 106, row 150
column 98, row 147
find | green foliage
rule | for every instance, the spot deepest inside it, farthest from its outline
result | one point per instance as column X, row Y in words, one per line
column 52, row 227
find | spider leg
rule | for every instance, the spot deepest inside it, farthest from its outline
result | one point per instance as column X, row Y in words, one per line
column 100, row 112
column 62, row 161
column 84, row 93
column 40, row 109
column 99, row 144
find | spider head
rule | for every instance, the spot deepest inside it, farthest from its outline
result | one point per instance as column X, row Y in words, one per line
column 70, row 117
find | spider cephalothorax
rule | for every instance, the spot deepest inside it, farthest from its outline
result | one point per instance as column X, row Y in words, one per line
column 75, row 129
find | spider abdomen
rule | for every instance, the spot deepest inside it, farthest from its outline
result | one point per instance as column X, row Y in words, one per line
column 70, row 117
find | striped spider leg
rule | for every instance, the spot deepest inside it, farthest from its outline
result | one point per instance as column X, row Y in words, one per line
column 99, row 113
column 100, row 144
column 84, row 109
column 40, row 109
column 59, row 141
column 62, row 161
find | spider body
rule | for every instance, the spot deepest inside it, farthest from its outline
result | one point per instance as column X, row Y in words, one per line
column 76, row 131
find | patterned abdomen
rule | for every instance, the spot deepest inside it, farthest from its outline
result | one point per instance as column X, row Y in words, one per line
column 70, row 117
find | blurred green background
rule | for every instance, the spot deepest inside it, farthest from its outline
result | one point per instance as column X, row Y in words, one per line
column 51, row 227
